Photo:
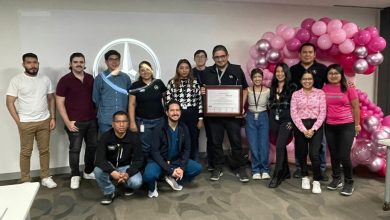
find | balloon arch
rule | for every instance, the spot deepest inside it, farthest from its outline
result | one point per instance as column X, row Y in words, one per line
column 356, row 49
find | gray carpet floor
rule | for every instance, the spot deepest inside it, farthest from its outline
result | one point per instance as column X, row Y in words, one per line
column 225, row 199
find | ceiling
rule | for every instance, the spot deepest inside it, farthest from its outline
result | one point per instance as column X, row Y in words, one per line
column 377, row 4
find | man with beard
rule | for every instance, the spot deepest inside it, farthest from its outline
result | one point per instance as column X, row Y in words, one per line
column 35, row 116
column 74, row 103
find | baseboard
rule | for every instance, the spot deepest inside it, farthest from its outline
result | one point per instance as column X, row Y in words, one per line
column 35, row 173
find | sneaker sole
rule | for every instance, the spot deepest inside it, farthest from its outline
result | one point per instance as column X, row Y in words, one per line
column 335, row 188
column 347, row 194
column 216, row 179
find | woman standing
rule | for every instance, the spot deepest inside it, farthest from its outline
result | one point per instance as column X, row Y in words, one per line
column 185, row 89
column 341, row 126
column 146, row 109
column 257, row 127
column 308, row 112
column 280, row 120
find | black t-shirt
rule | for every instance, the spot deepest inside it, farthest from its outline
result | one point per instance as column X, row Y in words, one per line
column 198, row 75
column 318, row 69
column 149, row 101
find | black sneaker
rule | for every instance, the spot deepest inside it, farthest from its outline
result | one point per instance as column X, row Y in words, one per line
column 335, row 184
column 242, row 175
column 215, row 175
column 297, row 174
column 324, row 177
column 348, row 188
column 128, row 191
column 107, row 199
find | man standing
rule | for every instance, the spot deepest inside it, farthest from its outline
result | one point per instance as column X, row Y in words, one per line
column 170, row 151
column 74, row 103
column 119, row 157
column 35, row 116
column 225, row 73
column 307, row 55
column 110, row 91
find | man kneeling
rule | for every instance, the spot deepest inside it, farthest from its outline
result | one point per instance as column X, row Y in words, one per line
column 119, row 158
column 170, row 151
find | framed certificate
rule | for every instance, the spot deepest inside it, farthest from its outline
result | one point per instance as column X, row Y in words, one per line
column 223, row 101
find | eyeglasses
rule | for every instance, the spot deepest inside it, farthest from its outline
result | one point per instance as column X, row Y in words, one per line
column 307, row 79
column 333, row 73
column 220, row 57
column 200, row 57
column 113, row 59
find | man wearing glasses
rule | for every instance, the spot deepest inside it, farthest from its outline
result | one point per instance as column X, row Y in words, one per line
column 225, row 73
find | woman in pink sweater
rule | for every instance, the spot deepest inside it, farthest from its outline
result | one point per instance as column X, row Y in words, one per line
column 308, row 111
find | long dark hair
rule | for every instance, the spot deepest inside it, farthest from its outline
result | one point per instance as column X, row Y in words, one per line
column 339, row 69
column 176, row 79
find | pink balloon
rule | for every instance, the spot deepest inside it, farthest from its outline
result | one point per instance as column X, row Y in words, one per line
column 290, row 62
column 347, row 46
column 267, row 74
column 381, row 151
column 362, row 151
column 382, row 171
column 313, row 40
column 338, row 36
column 288, row 33
column 345, row 21
column 379, row 134
column 350, row 29
column 268, row 35
column 371, row 123
column 280, row 28
column 373, row 31
column 303, row 35
column 334, row 24
column 318, row 28
column 325, row 19
column 250, row 65
column 271, row 67
column 370, row 70
column 386, row 121
column 307, row 23
column 376, row 44
column 293, row 45
column 347, row 60
column 376, row 164
column 324, row 42
column 289, row 54
column 253, row 52
column 334, row 50
column 277, row 42
column 362, row 37
column 385, row 128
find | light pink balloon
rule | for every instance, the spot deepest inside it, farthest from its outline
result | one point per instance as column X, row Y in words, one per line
column 288, row 33
column 362, row 151
column 338, row 36
column 268, row 35
column 334, row 24
column 289, row 54
column 324, row 42
column 376, row 164
column 348, row 46
column 250, row 65
column 318, row 28
column 267, row 74
column 277, row 42
column 351, row 29
column 280, row 28
column 290, row 62
column 253, row 52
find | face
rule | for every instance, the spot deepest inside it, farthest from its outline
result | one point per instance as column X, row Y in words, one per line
column 31, row 66
column 220, row 58
column 120, row 124
column 307, row 55
column 183, row 70
column 145, row 72
column 280, row 75
column 334, row 77
column 200, row 59
column 113, row 62
column 307, row 81
column 78, row 64
column 257, row 79
column 173, row 113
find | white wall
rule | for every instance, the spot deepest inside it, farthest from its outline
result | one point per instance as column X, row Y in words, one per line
column 174, row 30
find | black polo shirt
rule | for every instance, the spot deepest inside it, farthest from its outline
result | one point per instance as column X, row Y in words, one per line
column 149, row 101
column 233, row 75
column 318, row 69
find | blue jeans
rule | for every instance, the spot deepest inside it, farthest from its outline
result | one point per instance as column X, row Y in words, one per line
column 146, row 136
column 153, row 171
column 257, row 133
column 104, row 180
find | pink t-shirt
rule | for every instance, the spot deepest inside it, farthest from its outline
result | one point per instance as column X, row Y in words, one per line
column 339, row 107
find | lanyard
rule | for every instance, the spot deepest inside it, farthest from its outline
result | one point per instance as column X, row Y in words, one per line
column 254, row 96
column 220, row 76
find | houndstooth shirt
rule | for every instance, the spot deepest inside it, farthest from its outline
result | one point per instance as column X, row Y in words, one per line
column 186, row 95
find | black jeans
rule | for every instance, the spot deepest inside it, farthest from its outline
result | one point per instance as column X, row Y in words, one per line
column 88, row 131
column 190, row 118
column 340, row 138
column 209, row 145
column 282, row 131
column 217, row 126
column 312, row 145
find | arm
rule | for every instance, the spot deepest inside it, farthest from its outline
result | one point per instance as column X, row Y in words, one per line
column 101, row 159
column 52, row 109
column 131, row 110
column 244, row 98
column 356, row 114
column 294, row 114
column 10, row 102
column 96, row 90
column 60, row 101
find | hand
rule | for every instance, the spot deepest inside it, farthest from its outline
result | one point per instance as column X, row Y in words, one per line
column 123, row 177
column 178, row 173
column 115, row 72
column 115, row 175
column 133, row 127
column 52, row 124
column 351, row 84
column 72, row 126
column 202, row 90
column 357, row 129
column 200, row 124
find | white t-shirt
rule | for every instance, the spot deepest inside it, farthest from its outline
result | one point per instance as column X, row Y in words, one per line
column 31, row 93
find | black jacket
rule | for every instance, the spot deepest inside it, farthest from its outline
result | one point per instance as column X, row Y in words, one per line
column 318, row 69
column 233, row 76
column 113, row 152
column 160, row 146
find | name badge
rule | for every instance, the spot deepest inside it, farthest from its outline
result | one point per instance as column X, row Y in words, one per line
column 277, row 117
column 111, row 147
column 142, row 128
column 184, row 106
column 256, row 116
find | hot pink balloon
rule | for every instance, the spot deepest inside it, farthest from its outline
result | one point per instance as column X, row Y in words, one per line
column 338, row 36
column 318, row 28
column 370, row 70
column 351, row 29
column 386, row 121
column 268, row 36
column 271, row 67
column 307, row 23
column 376, row 44
column 348, row 46
column 324, row 42
column 277, row 42
column 362, row 37
column 313, row 40
column 325, row 19
column 303, row 35
column 334, row 24
column 334, row 50
column 288, row 33
column 376, row 164
column 280, row 28
column 294, row 44
column 373, row 31
column 382, row 171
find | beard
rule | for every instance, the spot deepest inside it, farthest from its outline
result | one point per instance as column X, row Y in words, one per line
column 32, row 71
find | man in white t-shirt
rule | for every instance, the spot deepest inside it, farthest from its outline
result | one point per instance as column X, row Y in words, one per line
column 35, row 116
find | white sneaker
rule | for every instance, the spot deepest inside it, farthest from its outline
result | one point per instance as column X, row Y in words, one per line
column 265, row 176
column 316, row 187
column 89, row 176
column 75, row 182
column 48, row 182
column 305, row 183
column 256, row 176
column 154, row 193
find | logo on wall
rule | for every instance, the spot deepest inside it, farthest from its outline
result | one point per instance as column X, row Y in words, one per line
column 132, row 51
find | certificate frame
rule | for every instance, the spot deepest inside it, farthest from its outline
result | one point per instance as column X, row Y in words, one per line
column 223, row 101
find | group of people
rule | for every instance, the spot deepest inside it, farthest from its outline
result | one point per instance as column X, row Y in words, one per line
column 146, row 131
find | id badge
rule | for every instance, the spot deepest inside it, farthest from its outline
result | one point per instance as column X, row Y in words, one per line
column 184, row 106
column 277, row 117
column 256, row 116
column 142, row 128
